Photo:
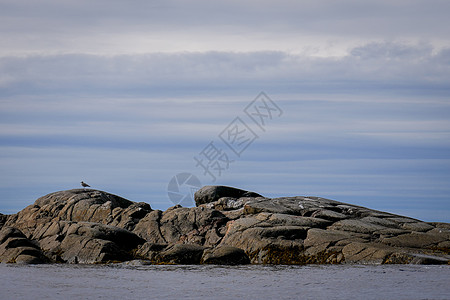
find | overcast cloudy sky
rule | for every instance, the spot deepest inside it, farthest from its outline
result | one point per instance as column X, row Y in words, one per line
column 125, row 95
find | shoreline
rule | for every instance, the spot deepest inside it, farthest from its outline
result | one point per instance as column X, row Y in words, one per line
column 229, row 226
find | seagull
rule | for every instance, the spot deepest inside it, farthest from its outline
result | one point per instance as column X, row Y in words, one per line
column 84, row 184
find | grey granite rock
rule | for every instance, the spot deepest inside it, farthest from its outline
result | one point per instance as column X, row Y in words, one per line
column 228, row 226
column 210, row 193
column 225, row 255
column 87, row 242
column 80, row 205
column 16, row 248
column 150, row 251
column 181, row 254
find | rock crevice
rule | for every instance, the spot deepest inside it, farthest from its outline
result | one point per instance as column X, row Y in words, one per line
column 228, row 226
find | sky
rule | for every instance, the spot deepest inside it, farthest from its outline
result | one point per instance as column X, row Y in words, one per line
column 149, row 100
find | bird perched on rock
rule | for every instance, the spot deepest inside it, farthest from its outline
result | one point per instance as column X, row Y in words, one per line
column 84, row 184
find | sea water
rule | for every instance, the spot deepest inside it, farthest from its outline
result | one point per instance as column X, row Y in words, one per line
column 224, row 282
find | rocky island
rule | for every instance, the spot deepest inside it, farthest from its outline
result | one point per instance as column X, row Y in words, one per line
column 228, row 226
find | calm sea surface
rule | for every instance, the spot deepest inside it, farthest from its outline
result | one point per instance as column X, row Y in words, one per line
column 216, row 282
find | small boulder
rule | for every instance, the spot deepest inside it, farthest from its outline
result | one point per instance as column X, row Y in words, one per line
column 225, row 255
column 185, row 254
column 150, row 251
column 213, row 193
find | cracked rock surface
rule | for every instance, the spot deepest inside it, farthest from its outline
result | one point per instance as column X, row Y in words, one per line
column 228, row 226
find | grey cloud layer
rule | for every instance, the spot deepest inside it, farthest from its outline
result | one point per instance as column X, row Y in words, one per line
column 77, row 100
column 313, row 16
column 74, row 26
column 375, row 64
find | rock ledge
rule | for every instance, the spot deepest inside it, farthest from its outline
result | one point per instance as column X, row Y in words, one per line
column 228, row 226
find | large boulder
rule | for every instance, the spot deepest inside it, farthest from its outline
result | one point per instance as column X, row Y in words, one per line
column 80, row 205
column 196, row 225
column 16, row 248
column 211, row 193
column 86, row 242
column 265, row 237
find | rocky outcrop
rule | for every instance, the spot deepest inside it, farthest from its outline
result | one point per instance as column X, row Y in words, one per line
column 228, row 226
column 80, row 205
column 81, row 226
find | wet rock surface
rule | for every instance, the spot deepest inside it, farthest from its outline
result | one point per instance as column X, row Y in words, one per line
column 229, row 226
